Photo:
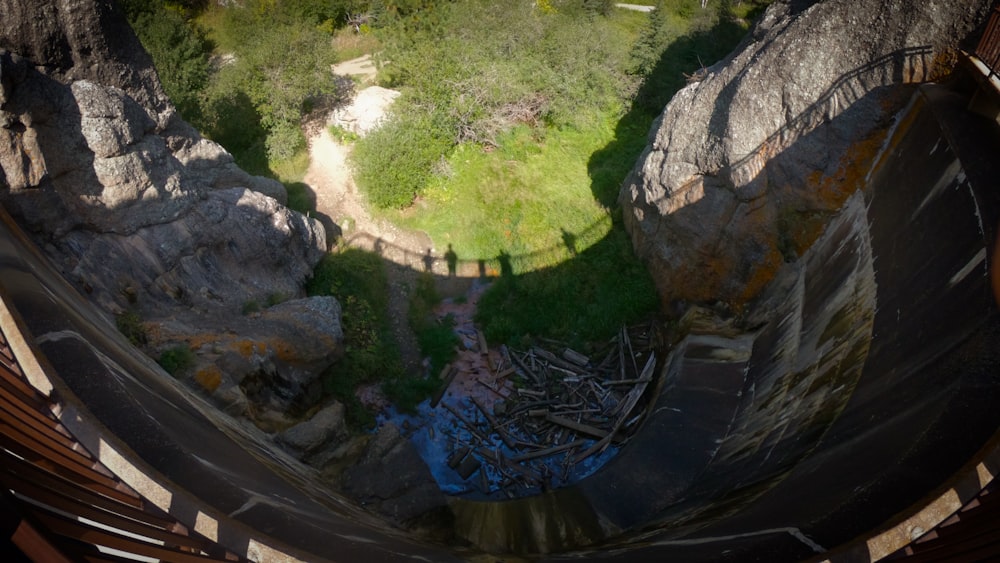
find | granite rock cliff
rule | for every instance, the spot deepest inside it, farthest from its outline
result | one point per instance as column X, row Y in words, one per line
column 145, row 215
column 747, row 164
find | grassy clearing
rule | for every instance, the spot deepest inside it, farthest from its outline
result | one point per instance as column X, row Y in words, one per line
column 531, row 198
column 579, row 301
column 545, row 197
column 350, row 45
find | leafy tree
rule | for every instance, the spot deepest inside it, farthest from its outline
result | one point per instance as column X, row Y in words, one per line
column 282, row 72
column 178, row 49
column 652, row 41
column 599, row 7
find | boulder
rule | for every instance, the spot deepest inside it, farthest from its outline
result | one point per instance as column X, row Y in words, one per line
column 273, row 359
column 747, row 163
column 324, row 428
column 366, row 111
column 230, row 248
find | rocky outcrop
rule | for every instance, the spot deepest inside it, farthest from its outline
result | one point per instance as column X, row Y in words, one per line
column 392, row 479
column 320, row 430
column 366, row 111
column 268, row 364
column 746, row 165
column 143, row 214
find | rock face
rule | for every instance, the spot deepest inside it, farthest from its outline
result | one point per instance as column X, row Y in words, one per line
column 144, row 214
column 324, row 427
column 393, row 479
column 745, row 166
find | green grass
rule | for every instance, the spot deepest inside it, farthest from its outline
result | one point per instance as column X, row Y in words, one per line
column 350, row 45
column 547, row 200
column 578, row 301
column 436, row 337
column 291, row 172
column 531, row 198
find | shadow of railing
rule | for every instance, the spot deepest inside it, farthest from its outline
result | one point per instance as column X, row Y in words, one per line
column 450, row 264
column 909, row 65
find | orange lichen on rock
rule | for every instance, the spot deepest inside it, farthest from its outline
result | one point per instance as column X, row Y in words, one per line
column 825, row 194
column 282, row 350
column 248, row 348
column 762, row 273
column 209, row 378
column 197, row 341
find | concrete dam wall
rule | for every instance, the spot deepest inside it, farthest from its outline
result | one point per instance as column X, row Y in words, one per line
column 863, row 376
column 861, row 380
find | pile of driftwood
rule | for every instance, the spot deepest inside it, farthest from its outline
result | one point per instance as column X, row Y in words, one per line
column 549, row 409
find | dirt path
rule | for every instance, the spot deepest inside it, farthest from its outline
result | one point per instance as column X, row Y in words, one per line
column 338, row 203
column 342, row 209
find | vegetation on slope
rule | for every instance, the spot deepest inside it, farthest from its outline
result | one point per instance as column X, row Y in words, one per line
column 514, row 133
column 517, row 124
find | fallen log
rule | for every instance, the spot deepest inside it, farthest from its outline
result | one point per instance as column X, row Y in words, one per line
column 628, row 404
column 575, row 357
column 491, row 390
column 528, row 372
column 457, row 456
column 577, row 426
column 448, row 373
column 468, row 466
column 548, row 451
column 483, row 348
column 554, row 360
column 468, row 423
column 497, row 427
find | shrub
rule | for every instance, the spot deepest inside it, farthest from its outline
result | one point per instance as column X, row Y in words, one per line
column 177, row 359
column 395, row 161
column 351, row 271
column 255, row 101
column 276, row 298
column 471, row 70
column 436, row 337
column 178, row 49
column 251, row 307
column 358, row 280
column 129, row 323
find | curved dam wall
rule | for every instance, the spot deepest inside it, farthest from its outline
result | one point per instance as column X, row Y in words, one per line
column 863, row 377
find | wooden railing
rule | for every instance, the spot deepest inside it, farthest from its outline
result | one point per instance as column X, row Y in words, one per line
column 58, row 502
column 988, row 50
